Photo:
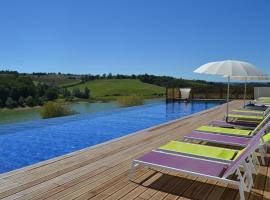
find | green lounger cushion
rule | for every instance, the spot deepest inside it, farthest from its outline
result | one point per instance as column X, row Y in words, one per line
column 246, row 117
column 231, row 131
column 200, row 150
column 248, row 111
column 263, row 98
column 266, row 137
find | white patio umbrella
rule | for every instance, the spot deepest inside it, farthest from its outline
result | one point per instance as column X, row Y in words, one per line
column 249, row 78
column 229, row 68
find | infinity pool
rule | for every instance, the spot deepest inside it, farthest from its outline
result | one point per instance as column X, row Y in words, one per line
column 24, row 144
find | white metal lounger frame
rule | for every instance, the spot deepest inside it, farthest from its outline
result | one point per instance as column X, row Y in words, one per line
column 267, row 111
column 244, row 182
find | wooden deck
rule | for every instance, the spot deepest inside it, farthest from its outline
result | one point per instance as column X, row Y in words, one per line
column 101, row 172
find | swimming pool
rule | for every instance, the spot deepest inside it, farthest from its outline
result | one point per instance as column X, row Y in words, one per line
column 24, row 144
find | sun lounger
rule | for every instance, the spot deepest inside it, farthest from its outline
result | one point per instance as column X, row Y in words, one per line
column 223, row 139
column 208, row 152
column 231, row 140
column 214, row 170
column 232, row 130
column 199, row 150
column 263, row 100
column 241, row 117
column 246, row 116
column 253, row 106
column 228, row 131
column 248, row 112
column 260, row 112
column 241, row 125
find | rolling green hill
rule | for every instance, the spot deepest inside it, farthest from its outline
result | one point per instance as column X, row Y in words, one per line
column 112, row 88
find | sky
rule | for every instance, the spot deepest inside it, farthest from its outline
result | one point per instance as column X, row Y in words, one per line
column 161, row 37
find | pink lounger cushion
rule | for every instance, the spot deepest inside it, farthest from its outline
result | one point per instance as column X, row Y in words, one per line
column 178, row 162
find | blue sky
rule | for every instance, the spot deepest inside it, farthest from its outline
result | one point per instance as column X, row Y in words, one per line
column 168, row 37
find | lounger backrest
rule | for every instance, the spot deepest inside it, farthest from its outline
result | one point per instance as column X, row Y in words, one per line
column 265, row 120
column 252, row 146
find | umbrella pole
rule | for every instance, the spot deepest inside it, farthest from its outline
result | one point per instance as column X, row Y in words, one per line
column 245, row 93
column 228, row 98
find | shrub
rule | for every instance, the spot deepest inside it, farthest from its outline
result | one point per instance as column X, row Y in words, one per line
column 30, row 101
column 52, row 109
column 10, row 103
column 21, row 101
column 130, row 101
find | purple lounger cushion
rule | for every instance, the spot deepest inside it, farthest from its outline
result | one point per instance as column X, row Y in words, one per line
column 178, row 162
column 218, row 138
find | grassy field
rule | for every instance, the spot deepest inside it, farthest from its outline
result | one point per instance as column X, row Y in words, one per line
column 113, row 88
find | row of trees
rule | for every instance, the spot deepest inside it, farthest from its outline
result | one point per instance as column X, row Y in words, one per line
column 76, row 92
column 21, row 91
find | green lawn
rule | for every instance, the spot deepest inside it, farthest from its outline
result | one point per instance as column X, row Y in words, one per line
column 112, row 88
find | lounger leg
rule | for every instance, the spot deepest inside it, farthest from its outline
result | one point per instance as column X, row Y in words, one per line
column 241, row 192
column 241, row 185
column 132, row 170
column 263, row 154
column 186, row 140
column 248, row 173
column 242, row 179
column 252, row 163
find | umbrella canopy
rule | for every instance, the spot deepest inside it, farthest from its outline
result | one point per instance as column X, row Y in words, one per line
column 230, row 68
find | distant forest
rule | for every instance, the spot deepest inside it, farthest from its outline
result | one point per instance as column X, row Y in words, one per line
column 25, row 89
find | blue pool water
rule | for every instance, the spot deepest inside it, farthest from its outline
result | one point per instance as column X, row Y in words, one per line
column 27, row 143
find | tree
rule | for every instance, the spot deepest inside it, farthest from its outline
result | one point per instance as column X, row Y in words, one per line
column 10, row 103
column 21, row 101
column 110, row 76
column 29, row 101
column 41, row 89
column 51, row 93
column 86, row 93
column 40, row 101
column 76, row 92
column 66, row 93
